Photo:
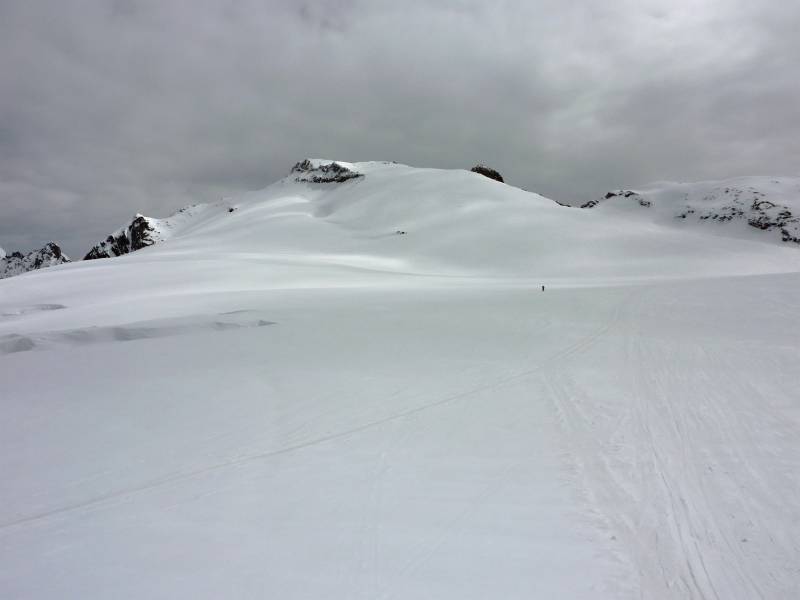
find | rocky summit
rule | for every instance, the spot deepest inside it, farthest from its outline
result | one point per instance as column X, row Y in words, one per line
column 17, row 263
column 139, row 234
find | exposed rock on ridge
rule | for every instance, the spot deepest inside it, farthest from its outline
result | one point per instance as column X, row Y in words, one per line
column 141, row 233
column 17, row 263
column 750, row 205
column 721, row 204
column 315, row 171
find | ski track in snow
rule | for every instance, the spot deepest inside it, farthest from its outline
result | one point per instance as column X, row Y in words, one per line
column 123, row 494
column 654, row 470
column 644, row 469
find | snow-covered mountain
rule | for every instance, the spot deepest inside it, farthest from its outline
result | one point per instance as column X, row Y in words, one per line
column 351, row 384
column 758, row 208
column 144, row 231
column 458, row 223
column 17, row 263
column 732, row 207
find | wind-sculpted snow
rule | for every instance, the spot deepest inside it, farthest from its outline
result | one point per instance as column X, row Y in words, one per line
column 361, row 390
column 125, row 332
column 24, row 310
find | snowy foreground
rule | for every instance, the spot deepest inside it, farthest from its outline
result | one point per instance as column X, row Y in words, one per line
column 292, row 400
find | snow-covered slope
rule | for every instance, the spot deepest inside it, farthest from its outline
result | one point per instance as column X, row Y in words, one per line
column 144, row 231
column 358, row 389
column 390, row 218
column 17, row 263
column 745, row 207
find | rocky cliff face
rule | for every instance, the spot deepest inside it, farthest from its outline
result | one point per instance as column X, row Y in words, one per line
column 17, row 263
column 140, row 233
column 319, row 171
column 752, row 207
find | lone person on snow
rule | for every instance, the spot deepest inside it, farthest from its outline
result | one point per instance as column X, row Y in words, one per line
column 542, row 288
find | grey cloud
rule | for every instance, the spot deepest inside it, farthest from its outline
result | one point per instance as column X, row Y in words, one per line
column 109, row 108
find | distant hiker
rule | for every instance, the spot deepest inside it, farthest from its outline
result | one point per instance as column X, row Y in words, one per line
column 542, row 288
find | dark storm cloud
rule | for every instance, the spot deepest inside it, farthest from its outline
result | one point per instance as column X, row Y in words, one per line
column 109, row 108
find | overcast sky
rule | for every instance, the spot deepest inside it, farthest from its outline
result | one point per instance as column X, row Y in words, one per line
column 108, row 108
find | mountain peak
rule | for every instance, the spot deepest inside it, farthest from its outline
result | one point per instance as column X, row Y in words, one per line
column 139, row 233
column 17, row 263
column 317, row 170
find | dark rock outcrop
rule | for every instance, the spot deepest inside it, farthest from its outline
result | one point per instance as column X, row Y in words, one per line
column 487, row 172
column 333, row 172
column 618, row 194
column 141, row 233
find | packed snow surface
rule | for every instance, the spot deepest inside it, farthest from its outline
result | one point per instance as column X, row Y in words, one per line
column 358, row 389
